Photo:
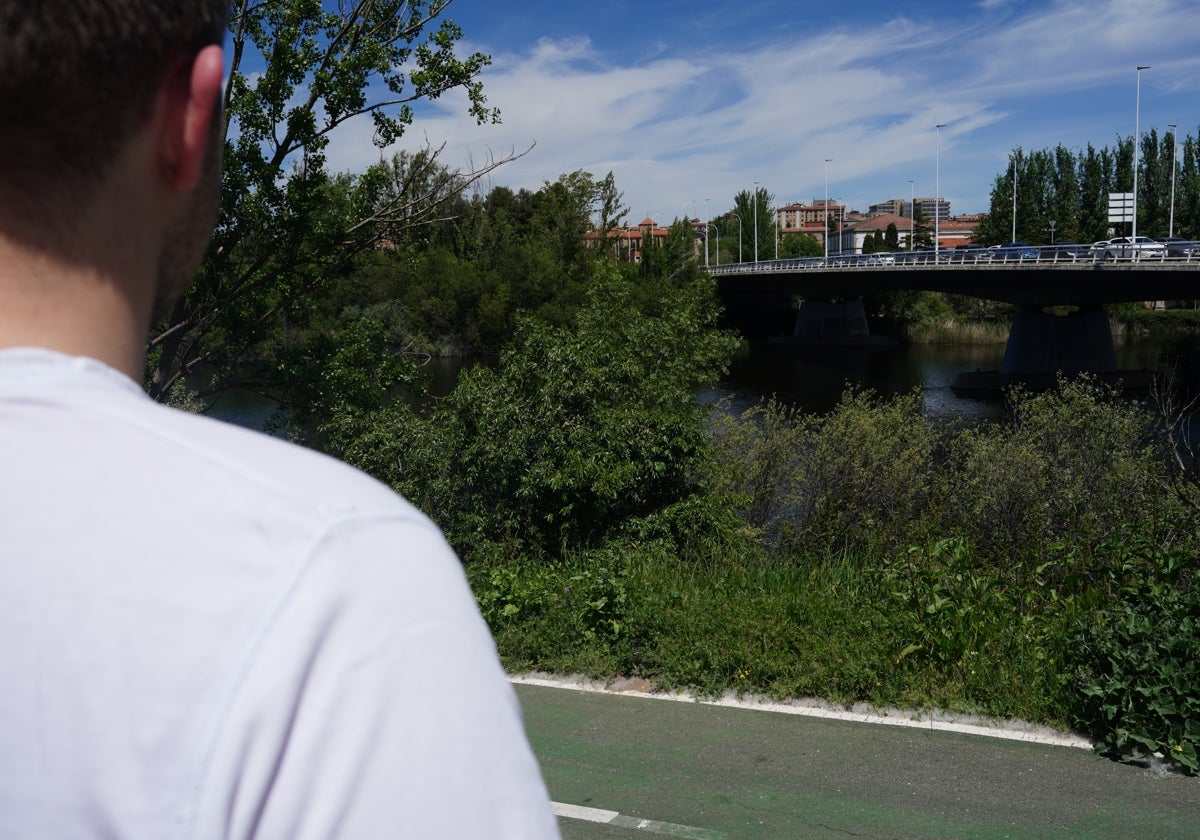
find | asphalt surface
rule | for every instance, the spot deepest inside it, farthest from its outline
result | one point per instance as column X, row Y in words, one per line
column 631, row 767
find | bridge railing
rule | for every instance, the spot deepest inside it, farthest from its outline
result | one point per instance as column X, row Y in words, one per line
column 1175, row 253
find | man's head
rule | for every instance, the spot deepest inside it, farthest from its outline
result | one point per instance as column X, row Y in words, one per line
column 77, row 79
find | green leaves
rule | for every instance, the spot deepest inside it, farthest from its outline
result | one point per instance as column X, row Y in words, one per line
column 582, row 433
column 1140, row 661
column 299, row 71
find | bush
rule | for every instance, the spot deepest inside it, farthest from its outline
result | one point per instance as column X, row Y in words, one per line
column 1139, row 664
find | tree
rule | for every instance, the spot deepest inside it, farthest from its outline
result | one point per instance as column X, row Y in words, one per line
column 891, row 237
column 754, row 207
column 278, row 239
column 922, row 233
column 581, row 434
column 800, row 245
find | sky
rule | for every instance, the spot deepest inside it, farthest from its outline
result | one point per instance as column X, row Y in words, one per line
column 688, row 103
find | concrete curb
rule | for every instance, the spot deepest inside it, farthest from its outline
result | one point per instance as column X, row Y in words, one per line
column 935, row 720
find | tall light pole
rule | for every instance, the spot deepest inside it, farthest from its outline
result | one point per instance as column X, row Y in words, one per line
column 1174, row 149
column 937, row 191
column 826, row 208
column 1014, row 230
column 912, row 214
column 1137, row 107
column 739, row 218
column 707, row 219
column 756, row 221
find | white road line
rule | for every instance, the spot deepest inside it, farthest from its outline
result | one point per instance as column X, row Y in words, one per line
column 599, row 815
column 579, row 812
column 1006, row 730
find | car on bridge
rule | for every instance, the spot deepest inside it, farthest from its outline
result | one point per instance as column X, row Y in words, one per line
column 1064, row 252
column 1013, row 252
column 968, row 252
column 1180, row 248
column 1133, row 248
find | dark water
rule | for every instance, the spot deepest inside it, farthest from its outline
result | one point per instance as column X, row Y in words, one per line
column 810, row 379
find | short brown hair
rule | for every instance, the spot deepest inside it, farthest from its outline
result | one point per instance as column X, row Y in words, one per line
column 77, row 77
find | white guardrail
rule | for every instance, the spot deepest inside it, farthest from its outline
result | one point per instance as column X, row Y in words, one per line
column 1176, row 254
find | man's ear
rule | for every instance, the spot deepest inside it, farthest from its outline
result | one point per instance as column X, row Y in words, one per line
column 191, row 96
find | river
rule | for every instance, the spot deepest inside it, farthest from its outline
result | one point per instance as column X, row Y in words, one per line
column 812, row 380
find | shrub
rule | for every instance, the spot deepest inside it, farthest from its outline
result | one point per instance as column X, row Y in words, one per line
column 1139, row 664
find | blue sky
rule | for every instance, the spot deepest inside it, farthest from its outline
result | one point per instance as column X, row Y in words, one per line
column 692, row 101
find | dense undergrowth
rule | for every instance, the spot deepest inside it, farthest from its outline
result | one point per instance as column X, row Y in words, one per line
column 1064, row 593
column 1042, row 567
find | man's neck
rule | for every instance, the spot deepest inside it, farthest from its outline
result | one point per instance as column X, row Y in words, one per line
column 72, row 308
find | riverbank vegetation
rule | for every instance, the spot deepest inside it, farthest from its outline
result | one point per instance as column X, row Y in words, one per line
column 1041, row 568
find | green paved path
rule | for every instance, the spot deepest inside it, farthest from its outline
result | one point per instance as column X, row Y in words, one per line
column 708, row 772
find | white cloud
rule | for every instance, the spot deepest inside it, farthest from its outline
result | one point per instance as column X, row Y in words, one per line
column 685, row 125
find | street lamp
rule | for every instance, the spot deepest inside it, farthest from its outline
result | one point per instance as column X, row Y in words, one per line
column 1014, row 230
column 1174, row 149
column 1137, row 107
column 739, row 218
column 707, row 225
column 937, row 191
column 912, row 214
column 756, row 221
column 718, row 230
column 826, row 208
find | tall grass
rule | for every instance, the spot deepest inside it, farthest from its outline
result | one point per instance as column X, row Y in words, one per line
column 955, row 331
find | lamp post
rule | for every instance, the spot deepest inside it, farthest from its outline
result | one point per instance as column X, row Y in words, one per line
column 1137, row 107
column 826, row 208
column 912, row 214
column 707, row 225
column 739, row 218
column 1174, row 149
column 937, row 192
column 756, row 221
column 1014, row 226
column 718, row 230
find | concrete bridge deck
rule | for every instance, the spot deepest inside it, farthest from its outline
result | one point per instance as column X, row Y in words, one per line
column 760, row 299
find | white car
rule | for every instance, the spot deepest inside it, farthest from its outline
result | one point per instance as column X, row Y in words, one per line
column 1134, row 248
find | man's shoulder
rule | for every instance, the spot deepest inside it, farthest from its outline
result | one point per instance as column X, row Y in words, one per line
column 278, row 466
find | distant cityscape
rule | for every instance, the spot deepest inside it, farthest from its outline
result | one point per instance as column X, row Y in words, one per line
column 847, row 229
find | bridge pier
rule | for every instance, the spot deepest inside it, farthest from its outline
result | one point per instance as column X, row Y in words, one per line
column 1040, row 343
column 820, row 320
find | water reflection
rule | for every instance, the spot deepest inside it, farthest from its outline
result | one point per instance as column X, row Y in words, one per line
column 815, row 379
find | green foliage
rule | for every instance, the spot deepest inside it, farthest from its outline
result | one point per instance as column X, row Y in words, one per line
column 1073, row 465
column 1066, row 593
column 1139, row 662
column 800, row 245
column 1071, row 189
column 287, row 229
column 580, row 434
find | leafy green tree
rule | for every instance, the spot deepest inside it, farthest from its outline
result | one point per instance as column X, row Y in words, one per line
column 891, row 237
column 751, row 206
column 922, row 231
column 278, row 240
column 800, row 245
column 582, row 434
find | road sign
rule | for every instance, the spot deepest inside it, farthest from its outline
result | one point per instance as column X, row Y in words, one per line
column 1120, row 207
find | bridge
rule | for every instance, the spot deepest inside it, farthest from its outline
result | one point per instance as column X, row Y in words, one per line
column 760, row 299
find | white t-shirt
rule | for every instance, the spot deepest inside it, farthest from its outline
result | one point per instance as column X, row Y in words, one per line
column 208, row 633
